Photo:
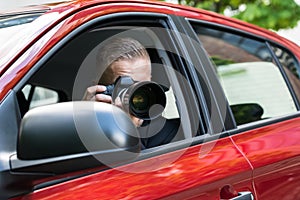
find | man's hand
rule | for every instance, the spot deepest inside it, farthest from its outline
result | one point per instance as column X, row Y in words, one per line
column 93, row 93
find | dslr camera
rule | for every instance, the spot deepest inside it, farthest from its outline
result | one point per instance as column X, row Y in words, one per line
column 143, row 99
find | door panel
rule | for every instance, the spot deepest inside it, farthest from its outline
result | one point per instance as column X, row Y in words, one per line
column 183, row 174
column 274, row 153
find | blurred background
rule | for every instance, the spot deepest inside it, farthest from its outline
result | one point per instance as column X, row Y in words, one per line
column 281, row 16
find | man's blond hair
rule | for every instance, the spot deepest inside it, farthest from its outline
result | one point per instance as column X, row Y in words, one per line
column 117, row 49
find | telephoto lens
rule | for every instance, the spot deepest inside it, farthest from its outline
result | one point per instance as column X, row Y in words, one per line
column 143, row 99
column 147, row 99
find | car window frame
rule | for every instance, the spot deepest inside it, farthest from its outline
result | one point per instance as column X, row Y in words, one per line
column 148, row 154
column 155, row 151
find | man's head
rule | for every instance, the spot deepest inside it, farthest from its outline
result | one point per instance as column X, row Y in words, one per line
column 123, row 56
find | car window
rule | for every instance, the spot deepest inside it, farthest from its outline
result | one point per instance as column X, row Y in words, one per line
column 252, row 82
column 73, row 68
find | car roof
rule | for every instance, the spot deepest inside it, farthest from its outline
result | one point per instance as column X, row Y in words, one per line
column 66, row 8
column 69, row 6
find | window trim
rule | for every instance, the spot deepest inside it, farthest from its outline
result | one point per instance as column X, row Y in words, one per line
column 206, row 65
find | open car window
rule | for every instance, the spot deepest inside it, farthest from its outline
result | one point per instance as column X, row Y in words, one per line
column 66, row 75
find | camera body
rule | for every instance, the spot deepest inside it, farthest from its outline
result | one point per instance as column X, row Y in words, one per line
column 143, row 99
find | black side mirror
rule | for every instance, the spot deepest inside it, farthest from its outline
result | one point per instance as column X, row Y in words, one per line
column 75, row 127
column 71, row 136
column 246, row 113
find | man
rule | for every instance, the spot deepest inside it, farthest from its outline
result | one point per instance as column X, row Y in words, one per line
column 123, row 57
column 127, row 57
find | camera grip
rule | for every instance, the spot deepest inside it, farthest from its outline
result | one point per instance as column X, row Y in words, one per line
column 109, row 90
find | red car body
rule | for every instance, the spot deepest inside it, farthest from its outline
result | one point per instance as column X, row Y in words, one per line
column 263, row 160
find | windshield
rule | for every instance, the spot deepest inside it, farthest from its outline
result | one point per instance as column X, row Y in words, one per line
column 18, row 29
column 7, row 21
column 12, row 24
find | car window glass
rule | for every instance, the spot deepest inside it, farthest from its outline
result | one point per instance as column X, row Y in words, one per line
column 252, row 82
column 39, row 96
column 171, row 110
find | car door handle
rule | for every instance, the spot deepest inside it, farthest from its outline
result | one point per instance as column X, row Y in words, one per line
column 243, row 196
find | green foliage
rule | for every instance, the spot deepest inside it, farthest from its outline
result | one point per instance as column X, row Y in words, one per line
column 219, row 61
column 275, row 15
column 270, row 14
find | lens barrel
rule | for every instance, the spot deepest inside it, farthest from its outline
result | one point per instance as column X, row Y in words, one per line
column 144, row 99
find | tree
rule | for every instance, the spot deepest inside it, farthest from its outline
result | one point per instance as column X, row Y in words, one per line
column 270, row 14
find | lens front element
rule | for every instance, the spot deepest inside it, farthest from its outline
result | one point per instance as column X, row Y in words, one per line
column 144, row 98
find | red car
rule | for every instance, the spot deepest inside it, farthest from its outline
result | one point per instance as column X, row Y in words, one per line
column 231, row 94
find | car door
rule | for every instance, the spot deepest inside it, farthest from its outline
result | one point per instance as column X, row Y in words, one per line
column 261, row 81
column 199, row 162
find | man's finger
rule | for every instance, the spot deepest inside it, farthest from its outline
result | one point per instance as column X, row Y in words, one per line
column 103, row 98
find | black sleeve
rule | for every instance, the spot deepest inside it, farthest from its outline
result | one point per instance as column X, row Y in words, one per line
column 158, row 131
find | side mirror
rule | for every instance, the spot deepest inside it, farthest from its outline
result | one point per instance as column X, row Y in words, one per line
column 75, row 127
column 247, row 112
column 66, row 137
